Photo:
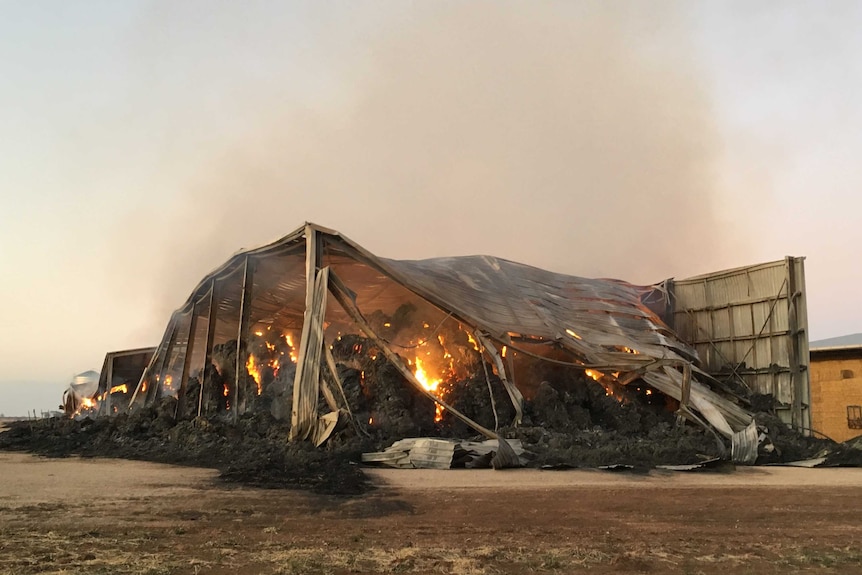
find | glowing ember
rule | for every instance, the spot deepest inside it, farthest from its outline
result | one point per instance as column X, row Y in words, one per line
column 120, row 389
column 608, row 382
column 596, row 375
column 226, row 390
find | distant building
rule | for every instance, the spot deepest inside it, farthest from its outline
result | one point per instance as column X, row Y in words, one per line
column 836, row 387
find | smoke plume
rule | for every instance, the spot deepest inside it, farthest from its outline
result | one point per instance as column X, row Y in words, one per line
column 578, row 139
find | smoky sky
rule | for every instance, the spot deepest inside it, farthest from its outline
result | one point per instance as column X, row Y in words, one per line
column 147, row 140
column 576, row 139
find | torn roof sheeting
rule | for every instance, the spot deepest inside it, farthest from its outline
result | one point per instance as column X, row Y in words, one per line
column 594, row 317
column 602, row 322
column 597, row 319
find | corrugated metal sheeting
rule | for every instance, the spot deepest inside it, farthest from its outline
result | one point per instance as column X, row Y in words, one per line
column 750, row 325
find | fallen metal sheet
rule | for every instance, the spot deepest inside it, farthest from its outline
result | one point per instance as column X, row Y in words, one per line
column 432, row 453
column 397, row 459
column 405, row 444
column 382, row 456
column 809, row 463
column 483, row 447
column 743, row 445
column 706, row 464
column 436, row 453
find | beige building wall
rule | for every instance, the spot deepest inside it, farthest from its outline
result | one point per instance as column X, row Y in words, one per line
column 836, row 384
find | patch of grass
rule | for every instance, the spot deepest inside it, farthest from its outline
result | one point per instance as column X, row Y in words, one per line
column 823, row 558
column 483, row 560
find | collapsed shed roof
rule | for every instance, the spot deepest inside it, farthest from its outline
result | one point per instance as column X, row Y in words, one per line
column 600, row 323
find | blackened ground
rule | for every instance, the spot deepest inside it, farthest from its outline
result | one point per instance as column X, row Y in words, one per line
column 255, row 451
column 569, row 421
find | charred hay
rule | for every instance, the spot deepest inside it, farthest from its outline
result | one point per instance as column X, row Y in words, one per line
column 569, row 420
column 255, row 451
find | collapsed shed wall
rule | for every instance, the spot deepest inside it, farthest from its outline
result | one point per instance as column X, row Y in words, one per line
column 750, row 325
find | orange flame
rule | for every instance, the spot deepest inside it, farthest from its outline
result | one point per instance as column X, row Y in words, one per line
column 431, row 384
column 254, row 371
column 288, row 339
column 120, row 389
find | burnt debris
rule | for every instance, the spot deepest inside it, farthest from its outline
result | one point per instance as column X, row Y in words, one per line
column 570, row 420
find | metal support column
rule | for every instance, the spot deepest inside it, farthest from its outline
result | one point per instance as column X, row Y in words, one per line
column 242, row 330
column 190, row 348
column 208, row 353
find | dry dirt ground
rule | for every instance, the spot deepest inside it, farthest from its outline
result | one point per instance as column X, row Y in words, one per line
column 113, row 516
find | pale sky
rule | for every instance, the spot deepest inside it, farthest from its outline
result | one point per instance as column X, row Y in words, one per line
column 144, row 142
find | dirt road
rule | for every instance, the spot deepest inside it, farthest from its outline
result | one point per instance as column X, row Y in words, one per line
column 114, row 516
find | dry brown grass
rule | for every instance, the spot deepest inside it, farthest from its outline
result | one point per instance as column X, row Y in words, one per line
column 158, row 525
column 61, row 553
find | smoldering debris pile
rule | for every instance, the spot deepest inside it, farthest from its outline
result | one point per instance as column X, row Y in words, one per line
column 253, row 451
column 570, row 420
column 571, row 417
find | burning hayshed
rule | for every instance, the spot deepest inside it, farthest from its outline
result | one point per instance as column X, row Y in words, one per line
column 294, row 361
column 335, row 342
